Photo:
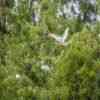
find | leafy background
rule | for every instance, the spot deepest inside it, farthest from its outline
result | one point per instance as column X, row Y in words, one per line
column 73, row 71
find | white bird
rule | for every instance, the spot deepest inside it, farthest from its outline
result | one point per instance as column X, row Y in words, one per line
column 60, row 39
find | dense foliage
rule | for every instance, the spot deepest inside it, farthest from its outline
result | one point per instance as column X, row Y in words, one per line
column 33, row 66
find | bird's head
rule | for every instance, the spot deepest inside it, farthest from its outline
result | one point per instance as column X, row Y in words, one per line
column 50, row 34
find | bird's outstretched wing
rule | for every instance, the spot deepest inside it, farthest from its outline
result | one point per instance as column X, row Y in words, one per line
column 53, row 36
column 65, row 35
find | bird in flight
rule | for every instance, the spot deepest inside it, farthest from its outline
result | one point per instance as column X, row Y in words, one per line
column 60, row 39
